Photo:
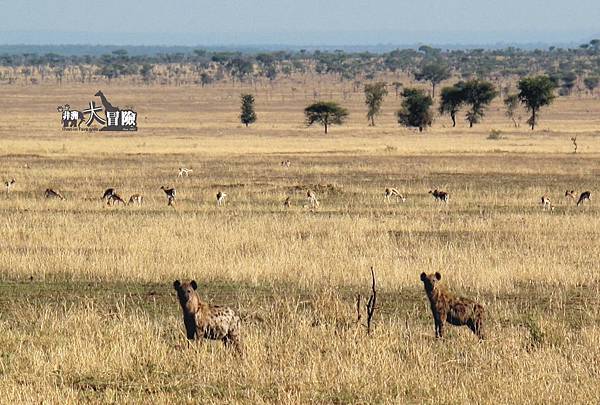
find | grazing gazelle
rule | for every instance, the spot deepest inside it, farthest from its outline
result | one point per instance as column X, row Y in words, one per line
column 170, row 192
column 439, row 195
column 570, row 194
column 288, row 202
column 107, row 193
column 9, row 184
column 392, row 192
column 286, row 163
column 221, row 198
column 586, row 195
column 49, row 193
column 546, row 203
column 184, row 172
column 312, row 199
column 136, row 199
column 115, row 199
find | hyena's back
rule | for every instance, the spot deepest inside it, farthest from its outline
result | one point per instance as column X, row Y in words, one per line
column 221, row 324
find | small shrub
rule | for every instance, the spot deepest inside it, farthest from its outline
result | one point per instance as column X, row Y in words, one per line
column 495, row 135
column 536, row 334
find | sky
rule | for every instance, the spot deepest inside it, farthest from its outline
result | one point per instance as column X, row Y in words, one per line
column 306, row 22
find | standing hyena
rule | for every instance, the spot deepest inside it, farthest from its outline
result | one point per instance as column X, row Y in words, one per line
column 203, row 320
column 446, row 307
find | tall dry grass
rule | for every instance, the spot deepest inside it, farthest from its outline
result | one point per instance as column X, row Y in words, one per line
column 87, row 311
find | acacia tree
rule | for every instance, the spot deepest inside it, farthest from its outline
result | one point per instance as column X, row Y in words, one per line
column 397, row 87
column 591, row 83
column 452, row 100
column 568, row 82
column 374, row 94
column 511, row 102
column 325, row 113
column 416, row 109
column 478, row 94
column 434, row 72
column 536, row 92
column 247, row 116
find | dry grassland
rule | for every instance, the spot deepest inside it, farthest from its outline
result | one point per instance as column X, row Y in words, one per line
column 87, row 311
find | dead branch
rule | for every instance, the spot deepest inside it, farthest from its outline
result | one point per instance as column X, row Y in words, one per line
column 358, row 316
column 574, row 140
column 371, row 303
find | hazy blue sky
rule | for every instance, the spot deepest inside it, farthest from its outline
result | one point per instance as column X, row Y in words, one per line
column 190, row 22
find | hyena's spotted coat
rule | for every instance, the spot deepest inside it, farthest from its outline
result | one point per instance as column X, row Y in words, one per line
column 446, row 307
column 203, row 320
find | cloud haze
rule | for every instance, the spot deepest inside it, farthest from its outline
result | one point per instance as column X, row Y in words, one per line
column 189, row 22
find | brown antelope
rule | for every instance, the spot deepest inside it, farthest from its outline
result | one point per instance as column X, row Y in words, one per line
column 392, row 192
column 221, row 198
column 49, row 193
column 170, row 193
column 107, row 193
column 312, row 199
column 570, row 194
column 586, row 195
column 288, row 202
column 286, row 163
column 184, row 172
column 136, row 199
column 546, row 203
column 9, row 185
column 115, row 199
column 439, row 195
column 205, row 321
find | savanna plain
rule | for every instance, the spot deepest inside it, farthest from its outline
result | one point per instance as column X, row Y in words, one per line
column 87, row 307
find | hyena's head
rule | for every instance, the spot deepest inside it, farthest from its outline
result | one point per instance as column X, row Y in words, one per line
column 430, row 280
column 186, row 292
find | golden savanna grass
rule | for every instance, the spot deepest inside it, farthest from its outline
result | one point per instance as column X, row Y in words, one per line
column 87, row 309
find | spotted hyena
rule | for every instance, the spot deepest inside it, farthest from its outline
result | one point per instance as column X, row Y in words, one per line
column 446, row 307
column 203, row 320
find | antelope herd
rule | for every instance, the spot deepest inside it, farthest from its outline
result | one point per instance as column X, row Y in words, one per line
column 111, row 197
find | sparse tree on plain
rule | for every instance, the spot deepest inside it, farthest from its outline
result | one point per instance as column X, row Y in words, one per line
column 374, row 95
column 205, row 79
column 434, row 72
column 325, row 113
column 478, row 94
column 568, row 82
column 397, row 87
column 248, row 116
column 416, row 109
column 591, row 83
column 146, row 73
column 511, row 102
column 452, row 101
column 536, row 92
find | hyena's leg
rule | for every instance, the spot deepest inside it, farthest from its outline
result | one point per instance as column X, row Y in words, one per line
column 233, row 339
column 477, row 322
column 439, row 328
column 475, row 326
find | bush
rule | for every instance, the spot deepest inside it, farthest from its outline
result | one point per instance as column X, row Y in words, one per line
column 495, row 135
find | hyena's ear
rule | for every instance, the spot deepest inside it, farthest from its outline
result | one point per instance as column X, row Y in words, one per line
column 176, row 284
column 438, row 276
column 423, row 276
column 194, row 285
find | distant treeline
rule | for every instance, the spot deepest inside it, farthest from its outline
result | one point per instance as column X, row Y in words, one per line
column 205, row 66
